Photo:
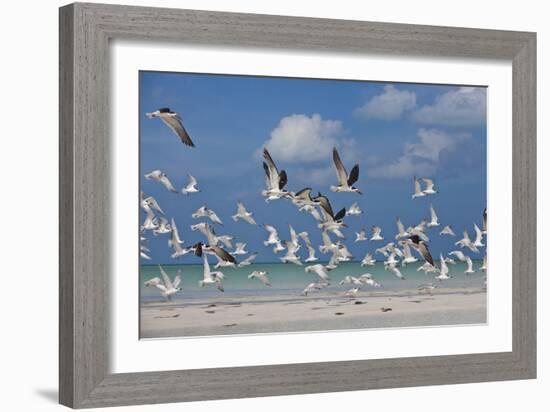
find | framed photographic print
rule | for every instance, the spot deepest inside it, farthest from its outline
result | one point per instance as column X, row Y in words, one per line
column 305, row 194
column 315, row 277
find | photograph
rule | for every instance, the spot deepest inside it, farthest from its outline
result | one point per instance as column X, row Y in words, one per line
column 287, row 205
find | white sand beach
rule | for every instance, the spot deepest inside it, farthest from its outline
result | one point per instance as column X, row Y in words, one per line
column 322, row 311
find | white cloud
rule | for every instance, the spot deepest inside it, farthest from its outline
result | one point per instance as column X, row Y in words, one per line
column 404, row 167
column 316, row 176
column 300, row 138
column 432, row 142
column 421, row 158
column 465, row 106
column 390, row 105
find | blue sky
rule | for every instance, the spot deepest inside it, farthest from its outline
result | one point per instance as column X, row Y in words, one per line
column 393, row 130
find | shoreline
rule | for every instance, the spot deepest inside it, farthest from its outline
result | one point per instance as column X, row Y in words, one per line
column 318, row 312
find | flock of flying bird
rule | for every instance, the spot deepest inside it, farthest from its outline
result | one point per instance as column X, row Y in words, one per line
column 397, row 253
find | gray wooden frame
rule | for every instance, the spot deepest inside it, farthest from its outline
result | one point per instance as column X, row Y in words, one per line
column 85, row 31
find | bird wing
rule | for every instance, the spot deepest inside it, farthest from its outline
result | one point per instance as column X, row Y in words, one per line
column 273, row 234
column 219, row 283
column 163, row 221
column 429, row 183
column 340, row 215
column 400, row 226
column 334, row 259
column 239, row 246
column 152, row 175
column 149, row 218
column 293, row 235
column 444, row 268
column 326, row 239
column 417, row 188
column 167, row 183
column 271, row 170
column 175, row 232
column 241, row 209
column 264, row 279
column 222, row 254
column 406, row 250
column 325, row 204
column 153, row 282
column 424, row 251
column 154, row 204
column 447, row 230
column 198, row 249
column 304, row 194
column 421, row 227
column 175, row 123
column 250, row 258
column 282, row 180
column 226, row 240
column 341, row 173
column 214, row 217
column 218, row 277
column 161, row 287
column 469, row 263
column 460, row 256
column 421, row 235
column 472, row 247
column 354, row 175
column 325, row 217
column 165, row 278
column 321, row 272
column 207, row 231
column 291, row 248
column 192, row 181
column 219, row 261
column 249, row 219
column 177, row 279
column 211, row 239
column 433, row 215
column 206, row 268
column 174, row 239
column 479, row 234
column 305, row 238
column 316, row 215
column 267, row 176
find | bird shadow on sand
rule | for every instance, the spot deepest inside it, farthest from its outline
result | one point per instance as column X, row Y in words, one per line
column 51, row 395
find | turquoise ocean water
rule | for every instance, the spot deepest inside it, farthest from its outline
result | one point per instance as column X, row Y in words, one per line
column 290, row 279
